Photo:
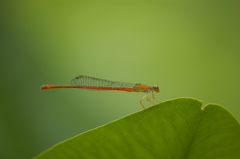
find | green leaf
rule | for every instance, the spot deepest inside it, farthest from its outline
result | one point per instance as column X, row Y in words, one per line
column 177, row 128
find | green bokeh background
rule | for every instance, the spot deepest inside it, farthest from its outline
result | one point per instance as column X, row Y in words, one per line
column 188, row 48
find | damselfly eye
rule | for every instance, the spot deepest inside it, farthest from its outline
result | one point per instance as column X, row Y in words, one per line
column 156, row 88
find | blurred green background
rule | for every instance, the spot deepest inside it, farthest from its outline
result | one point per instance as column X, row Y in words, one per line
column 188, row 48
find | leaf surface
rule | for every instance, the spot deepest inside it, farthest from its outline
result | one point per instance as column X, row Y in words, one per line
column 177, row 128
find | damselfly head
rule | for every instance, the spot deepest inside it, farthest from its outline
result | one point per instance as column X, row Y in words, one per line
column 156, row 88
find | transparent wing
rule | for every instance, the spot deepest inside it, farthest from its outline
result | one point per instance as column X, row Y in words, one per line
column 91, row 81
